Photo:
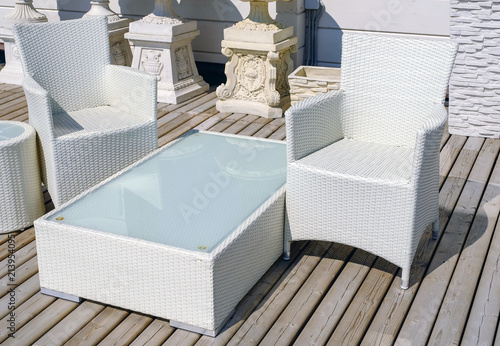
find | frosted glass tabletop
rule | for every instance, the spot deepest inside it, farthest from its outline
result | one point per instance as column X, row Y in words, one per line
column 10, row 131
column 191, row 195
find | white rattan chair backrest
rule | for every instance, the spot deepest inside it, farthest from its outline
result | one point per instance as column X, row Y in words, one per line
column 391, row 85
column 67, row 59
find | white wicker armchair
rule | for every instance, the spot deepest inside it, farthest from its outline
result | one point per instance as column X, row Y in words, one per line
column 363, row 162
column 93, row 119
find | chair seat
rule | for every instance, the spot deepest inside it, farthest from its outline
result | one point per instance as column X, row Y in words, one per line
column 363, row 160
column 93, row 120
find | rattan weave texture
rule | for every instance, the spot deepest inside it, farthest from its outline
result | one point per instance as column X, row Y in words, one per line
column 21, row 198
column 92, row 118
column 196, row 288
column 363, row 162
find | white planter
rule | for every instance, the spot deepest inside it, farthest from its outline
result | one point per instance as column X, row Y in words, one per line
column 307, row 81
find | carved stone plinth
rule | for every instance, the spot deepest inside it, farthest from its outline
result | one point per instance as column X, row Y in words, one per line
column 23, row 12
column 162, row 47
column 259, row 50
column 12, row 73
column 121, row 54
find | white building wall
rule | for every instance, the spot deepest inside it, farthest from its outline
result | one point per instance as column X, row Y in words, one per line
column 423, row 17
column 407, row 17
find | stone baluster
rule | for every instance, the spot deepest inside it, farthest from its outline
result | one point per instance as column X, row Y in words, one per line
column 164, row 9
column 23, row 12
column 162, row 47
column 121, row 54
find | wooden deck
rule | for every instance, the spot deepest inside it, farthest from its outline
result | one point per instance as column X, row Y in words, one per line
column 327, row 293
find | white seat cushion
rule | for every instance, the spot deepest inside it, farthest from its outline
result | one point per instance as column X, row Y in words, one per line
column 93, row 120
column 363, row 160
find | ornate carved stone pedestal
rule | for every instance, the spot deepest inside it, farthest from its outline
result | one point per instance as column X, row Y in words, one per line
column 121, row 54
column 23, row 12
column 162, row 47
column 259, row 50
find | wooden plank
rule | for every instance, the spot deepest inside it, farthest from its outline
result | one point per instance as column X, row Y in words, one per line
column 446, row 136
column 210, row 122
column 420, row 319
column 255, row 126
column 225, row 123
column 448, row 155
column 256, row 295
column 188, row 125
column 475, row 149
column 391, row 314
column 127, row 330
column 333, row 306
column 356, row 319
column 497, row 338
column 270, row 128
column 182, row 110
column 21, row 240
column 21, row 256
column 24, row 117
column 4, row 97
column 155, row 334
column 18, row 114
column 296, row 314
column 182, row 338
column 24, row 313
column 165, row 108
column 241, row 124
column 279, row 134
column 97, row 329
column 42, row 323
column 19, row 275
column 12, row 88
column 3, row 86
column 483, row 317
column 453, row 314
column 261, row 320
column 12, row 106
column 5, row 93
column 6, row 236
column 182, row 118
column 23, row 292
column 71, row 324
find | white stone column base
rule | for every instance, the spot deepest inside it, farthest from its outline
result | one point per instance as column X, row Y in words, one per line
column 121, row 54
column 23, row 12
column 164, row 49
column 254, row 108
column 12, row 73
column 257, row 73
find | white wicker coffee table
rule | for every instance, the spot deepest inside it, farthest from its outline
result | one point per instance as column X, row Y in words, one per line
column 183, row 234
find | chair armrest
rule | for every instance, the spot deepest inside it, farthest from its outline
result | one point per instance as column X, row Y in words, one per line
column 313, row 124
column 428, row 142
column 39, row 105
column 131, row 91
